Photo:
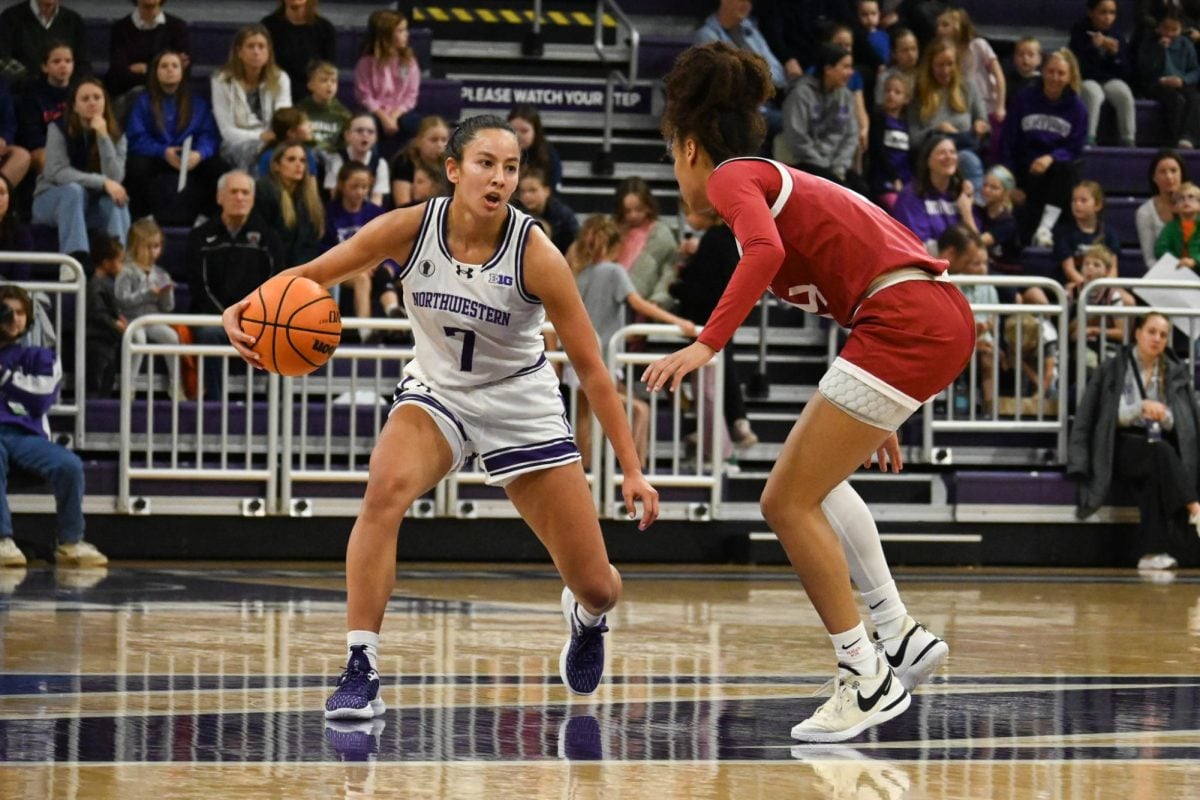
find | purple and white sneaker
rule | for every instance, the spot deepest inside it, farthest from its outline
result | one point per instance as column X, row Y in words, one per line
column 581, row 663
column 357, row 693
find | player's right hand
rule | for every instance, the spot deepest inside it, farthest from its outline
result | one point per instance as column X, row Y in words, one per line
column 241, row 341
column 636, row 488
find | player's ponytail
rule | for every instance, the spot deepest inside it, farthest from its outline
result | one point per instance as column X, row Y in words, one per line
column 714, row 92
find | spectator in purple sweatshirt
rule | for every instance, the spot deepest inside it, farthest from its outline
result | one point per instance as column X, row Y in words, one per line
column 30, row 379
column 1042, row 143
column 938, row 196
column 888, row 148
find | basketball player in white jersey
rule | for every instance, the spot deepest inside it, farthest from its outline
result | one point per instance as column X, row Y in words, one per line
column 479, row 279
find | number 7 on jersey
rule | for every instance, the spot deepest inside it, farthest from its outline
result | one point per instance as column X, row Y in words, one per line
column 468, row 351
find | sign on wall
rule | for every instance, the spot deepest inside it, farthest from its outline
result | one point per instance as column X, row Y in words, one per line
column 551, row 95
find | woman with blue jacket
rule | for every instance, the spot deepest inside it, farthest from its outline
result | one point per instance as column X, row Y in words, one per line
column 167, row 125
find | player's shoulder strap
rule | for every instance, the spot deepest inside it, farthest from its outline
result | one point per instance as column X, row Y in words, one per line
column 428, row 219
column 785, row 176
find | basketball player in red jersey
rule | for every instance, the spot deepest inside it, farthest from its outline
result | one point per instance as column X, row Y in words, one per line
column 829, row 251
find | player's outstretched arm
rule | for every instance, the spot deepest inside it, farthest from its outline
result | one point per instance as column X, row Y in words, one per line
column 548, row 277
column 389, row 235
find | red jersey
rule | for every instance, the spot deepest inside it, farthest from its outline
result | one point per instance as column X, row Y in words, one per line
column 815, row 244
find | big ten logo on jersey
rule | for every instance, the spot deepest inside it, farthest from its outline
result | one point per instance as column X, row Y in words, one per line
column 807, row 297
column 500, row 280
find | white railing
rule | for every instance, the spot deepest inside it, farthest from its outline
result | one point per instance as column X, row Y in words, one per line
column 1044, row 410
column 234, row 438
column 1090, row 311
column 70, row 403
column 705, row 471
column 287, row 442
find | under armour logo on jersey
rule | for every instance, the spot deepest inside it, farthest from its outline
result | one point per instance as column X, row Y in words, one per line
column 466, row 273
column 425, row 268
column 807, row 297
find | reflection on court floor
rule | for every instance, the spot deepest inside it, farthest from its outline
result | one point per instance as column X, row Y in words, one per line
column 193, row 681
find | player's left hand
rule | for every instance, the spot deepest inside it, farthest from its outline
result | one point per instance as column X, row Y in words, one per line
column 889, row 451
column 675, row 367
column 635, row 488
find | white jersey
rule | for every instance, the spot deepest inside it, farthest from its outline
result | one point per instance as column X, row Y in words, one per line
column 473, row 324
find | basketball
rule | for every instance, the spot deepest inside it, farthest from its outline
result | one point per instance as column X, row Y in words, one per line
column 295, row 324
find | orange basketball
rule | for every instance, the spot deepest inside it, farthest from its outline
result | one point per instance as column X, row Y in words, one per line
column 295, row 323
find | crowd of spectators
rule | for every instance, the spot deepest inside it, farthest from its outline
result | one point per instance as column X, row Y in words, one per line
column 903, row 102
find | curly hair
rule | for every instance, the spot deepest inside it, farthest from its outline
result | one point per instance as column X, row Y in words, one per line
column 713, row 94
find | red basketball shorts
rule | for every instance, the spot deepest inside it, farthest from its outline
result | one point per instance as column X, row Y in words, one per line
column 907, row 343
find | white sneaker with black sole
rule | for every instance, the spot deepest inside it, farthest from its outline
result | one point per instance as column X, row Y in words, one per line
column 914, row 655
column 859, row 702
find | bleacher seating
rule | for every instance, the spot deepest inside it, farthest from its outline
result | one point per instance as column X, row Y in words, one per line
column 1122, row 171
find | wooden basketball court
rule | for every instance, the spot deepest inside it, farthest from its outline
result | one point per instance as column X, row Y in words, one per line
column 207, row 681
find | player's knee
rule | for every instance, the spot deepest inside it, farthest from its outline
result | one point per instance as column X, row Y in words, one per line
column 392, row 488
column 600, row 593
column 782, row 510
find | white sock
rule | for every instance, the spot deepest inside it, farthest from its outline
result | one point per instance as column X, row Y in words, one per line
column 849, row 516
column 368, row 638
column 1050, row 215
column 889, row 615
column 855, row 649
column 585, row 617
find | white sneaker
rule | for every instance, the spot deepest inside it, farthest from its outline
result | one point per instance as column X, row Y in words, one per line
column 858, row 703
column 11, row 578
column 79, row 554
column 1043, row 237
column 915, row 655
column 79, row 578
column 10, row 554
column 1157, row 561
column 743, row 435
column 1156, row 576
column 847, row 773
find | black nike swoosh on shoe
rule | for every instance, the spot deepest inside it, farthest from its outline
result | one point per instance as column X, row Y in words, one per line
column 876, row 605
column 866, row 704
column 899, row 659
column 848, row 646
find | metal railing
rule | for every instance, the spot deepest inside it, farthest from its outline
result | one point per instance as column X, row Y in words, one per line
column 284, row 442
column 708, row 445
column 331, row 419
column 70, row 403
column 234, row 438
column 1044, row 410
column 603, row 162
column 1087, row 311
